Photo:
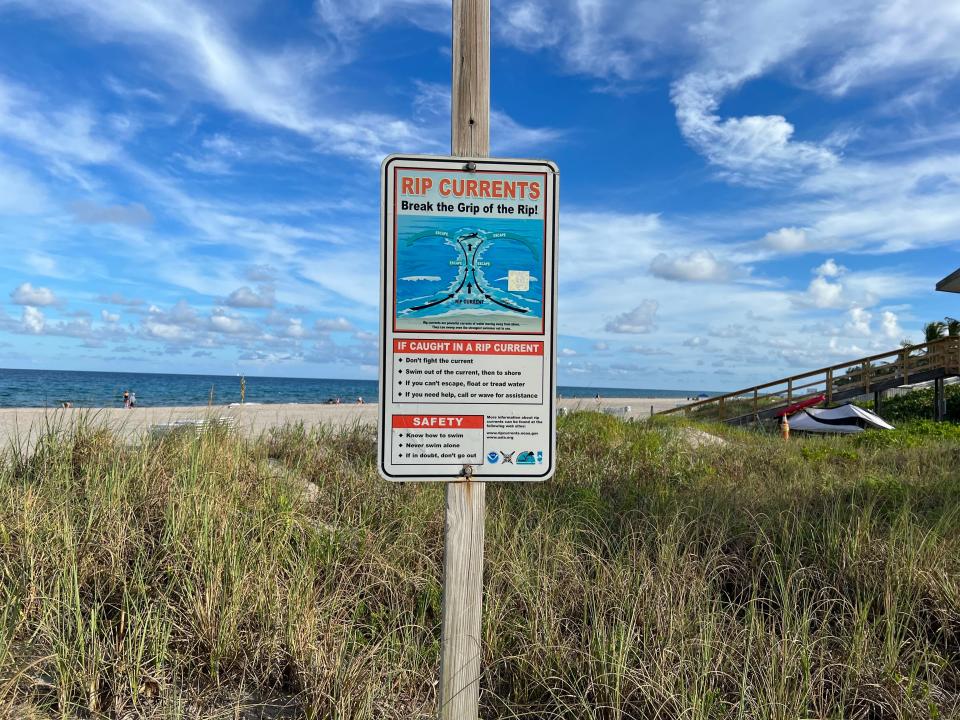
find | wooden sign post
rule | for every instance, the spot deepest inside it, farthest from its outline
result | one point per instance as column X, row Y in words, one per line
column 467, row 336
column 460, row 650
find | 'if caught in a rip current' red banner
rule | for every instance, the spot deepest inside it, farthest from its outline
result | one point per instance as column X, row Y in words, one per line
column 467, row 347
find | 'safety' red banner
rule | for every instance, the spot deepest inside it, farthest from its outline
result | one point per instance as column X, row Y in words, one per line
column 438, row 422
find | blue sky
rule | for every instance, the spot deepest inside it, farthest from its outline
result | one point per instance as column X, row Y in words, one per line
column 747, row 188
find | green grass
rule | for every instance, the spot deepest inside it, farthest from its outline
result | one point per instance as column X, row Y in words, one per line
column 195, row 578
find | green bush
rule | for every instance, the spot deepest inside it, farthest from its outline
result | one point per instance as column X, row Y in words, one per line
column 918, row 405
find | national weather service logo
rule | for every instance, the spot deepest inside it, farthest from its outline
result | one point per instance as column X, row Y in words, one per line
column 526, row 458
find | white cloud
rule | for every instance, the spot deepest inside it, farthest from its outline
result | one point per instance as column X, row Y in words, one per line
column 890, row 326
column 899, row 37
column 829, row 268
column 20, row 192
column 229, row 325
column 109, row 317
column 568, row 352
column 697, row 266
column 33, row 320
column 507, row 136
column 645, row 350
column 245, row 297
column 602, row 38
column 822, row 293
column 751, row 148
column 42, row 264
column 133, row 214
column 347, row 20
column 722, row 46
column 164, row 330
column 642, row 319
column 295, row 328
column 786, row 239
column 261, row 273
column 199, row 49
column 69, row 134
column 859, row 322
column 696, row 341
column 339, row 324
column 116, row 298
column 27, row 294
column 598, row 244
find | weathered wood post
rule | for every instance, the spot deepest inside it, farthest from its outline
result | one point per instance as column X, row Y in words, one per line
column 460, row 651
column 939, row 400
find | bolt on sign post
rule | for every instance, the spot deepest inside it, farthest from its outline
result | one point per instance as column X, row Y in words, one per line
column 467, row 336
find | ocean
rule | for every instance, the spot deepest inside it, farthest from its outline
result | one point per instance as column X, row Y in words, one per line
column 51, row 388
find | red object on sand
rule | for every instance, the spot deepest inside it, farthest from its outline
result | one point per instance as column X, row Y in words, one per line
column 809, row 402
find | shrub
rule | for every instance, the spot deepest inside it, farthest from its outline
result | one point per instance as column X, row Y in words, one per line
column 918, row 405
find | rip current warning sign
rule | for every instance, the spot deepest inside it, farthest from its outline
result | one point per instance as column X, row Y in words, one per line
column 467, row 327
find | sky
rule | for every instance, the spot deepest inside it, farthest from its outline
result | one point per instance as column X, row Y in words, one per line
column 747, row 189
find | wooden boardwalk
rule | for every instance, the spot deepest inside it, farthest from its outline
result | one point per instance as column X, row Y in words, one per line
column 933, row 361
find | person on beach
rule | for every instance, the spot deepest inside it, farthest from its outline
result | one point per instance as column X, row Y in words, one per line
column 126, row 399
column 359, row 401
column 133, row 399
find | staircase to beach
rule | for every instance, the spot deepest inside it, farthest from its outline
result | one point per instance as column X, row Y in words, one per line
column 933, row 361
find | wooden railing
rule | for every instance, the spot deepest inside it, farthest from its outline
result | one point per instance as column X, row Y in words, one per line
column 860, row 376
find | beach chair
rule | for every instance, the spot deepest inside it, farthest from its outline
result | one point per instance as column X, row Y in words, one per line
column 194, row 426
column 622, row 412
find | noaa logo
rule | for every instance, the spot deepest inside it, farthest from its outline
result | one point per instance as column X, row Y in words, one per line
column 492, row 456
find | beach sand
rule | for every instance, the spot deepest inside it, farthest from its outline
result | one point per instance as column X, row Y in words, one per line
column 26, row 423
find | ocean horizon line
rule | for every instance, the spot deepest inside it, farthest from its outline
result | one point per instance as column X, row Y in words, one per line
column 29, row 387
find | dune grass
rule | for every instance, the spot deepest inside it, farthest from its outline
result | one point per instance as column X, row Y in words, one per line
column 206, row 577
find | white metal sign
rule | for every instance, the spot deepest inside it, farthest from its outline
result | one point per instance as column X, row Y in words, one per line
column 467, row 321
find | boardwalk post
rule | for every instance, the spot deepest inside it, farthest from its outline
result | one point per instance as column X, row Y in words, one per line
column 459, row 692
column 939, row 400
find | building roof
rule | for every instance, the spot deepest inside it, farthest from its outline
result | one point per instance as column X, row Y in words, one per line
column 951, row 283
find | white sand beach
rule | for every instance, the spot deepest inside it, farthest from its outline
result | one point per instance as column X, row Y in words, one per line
column 253, row 419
